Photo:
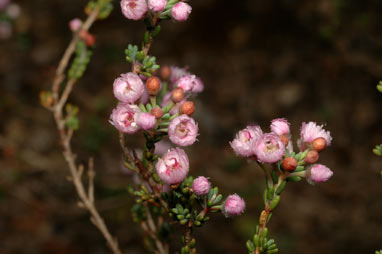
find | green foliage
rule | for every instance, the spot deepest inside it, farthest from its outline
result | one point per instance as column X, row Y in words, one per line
column 71, row 120
column 378, row 252
column 147, row 63
column 80, row 62
column 105, row 8
column 378, row 150
column 260, row 241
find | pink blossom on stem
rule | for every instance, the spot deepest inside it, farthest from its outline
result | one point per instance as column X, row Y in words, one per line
column 134, row 9
column 280, row 126
column 146, row 121
column 173, row 167
column 183, row 130
column 124, row 118
column 177, row 73
column 269, row 148
column 188, row 83
column 199, row 86
column 234, row 205
column 162, row 147
column 181, row 11
column 319, row 173
column 310, row 131
column 157, row 5
column 201, row 185
column 245, row 141
column 128, row 87
column 75, row 24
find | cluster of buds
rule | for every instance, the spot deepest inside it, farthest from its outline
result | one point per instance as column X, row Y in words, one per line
column 276, row 147
column 139, row 9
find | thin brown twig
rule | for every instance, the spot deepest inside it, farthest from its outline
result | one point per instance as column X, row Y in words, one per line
column 86, row 199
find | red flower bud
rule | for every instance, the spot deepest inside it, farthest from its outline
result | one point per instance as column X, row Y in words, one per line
column 157, row 112
column 165, row 72
column 289, row 164
column 187, row 108
column 319, row 144
column 153, row 85
column 177, row 94
column 312, row 156
column 88, row 38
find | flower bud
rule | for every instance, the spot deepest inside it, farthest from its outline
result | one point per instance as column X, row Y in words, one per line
column 165, row 72
column 87, row 37
column 75, row 24
column 319, row 144
column 234, row 205
column 157, row 5
column 177, row 94
column 312, row 157
column 187, row 108
column 201, row 185
column 153, row 85
column 134, row 9
column 157, row 112
column 289, row 164
column 173, row 167
column 319, row 173
column 183, row 130
column 181, row 11
column 146, row 121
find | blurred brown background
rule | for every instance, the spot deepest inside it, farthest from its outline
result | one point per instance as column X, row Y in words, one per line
column 314, row 60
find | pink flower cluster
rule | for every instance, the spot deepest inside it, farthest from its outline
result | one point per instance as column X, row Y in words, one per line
column 274, row 147
column 138, row 9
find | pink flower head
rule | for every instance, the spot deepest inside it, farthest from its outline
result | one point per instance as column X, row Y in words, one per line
column 157, row 5
column 310, row 131
column 280, row 126
column 124, row 118
column 188, row 83
column 134, row 9
column 128, row 87
column 245, row 140
column 319, row 173
column 13, row 11
column 173, row 167
column 3, row 4
column 199, row 86
column 162, row 147
column 183, row 130
column 177, row 73
column 201, row 185
column 146, row 121
column 269, row 148
column 181, row 11
column 234, row 205
column 75, row 24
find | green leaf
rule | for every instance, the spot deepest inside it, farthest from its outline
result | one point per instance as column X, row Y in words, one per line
column 72, row 122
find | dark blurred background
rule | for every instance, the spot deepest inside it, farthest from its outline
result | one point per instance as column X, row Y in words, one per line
column 316, row 60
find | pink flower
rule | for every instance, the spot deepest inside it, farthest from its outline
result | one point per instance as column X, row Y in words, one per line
column 162, row 147
column 280, row 126
column 173, row 167
column 75, row 24
column 269, row 148
column 199, row 86
column 128, row 87
column 134, row 9
column 183, row 130
column 124, row 118
column 319, row 173
column 245, row 141
column 234, row 205
column 181, row 11
column 310, row 131
column 188, row 83
column 3, row 4
column 157, row 5
column 201, row 185
column 177, row 73
column 13, row 11
column 146, row 121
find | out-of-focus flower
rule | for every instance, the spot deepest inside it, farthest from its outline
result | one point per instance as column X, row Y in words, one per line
column 75, row 24
column 157, row 5
column 280, row 126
